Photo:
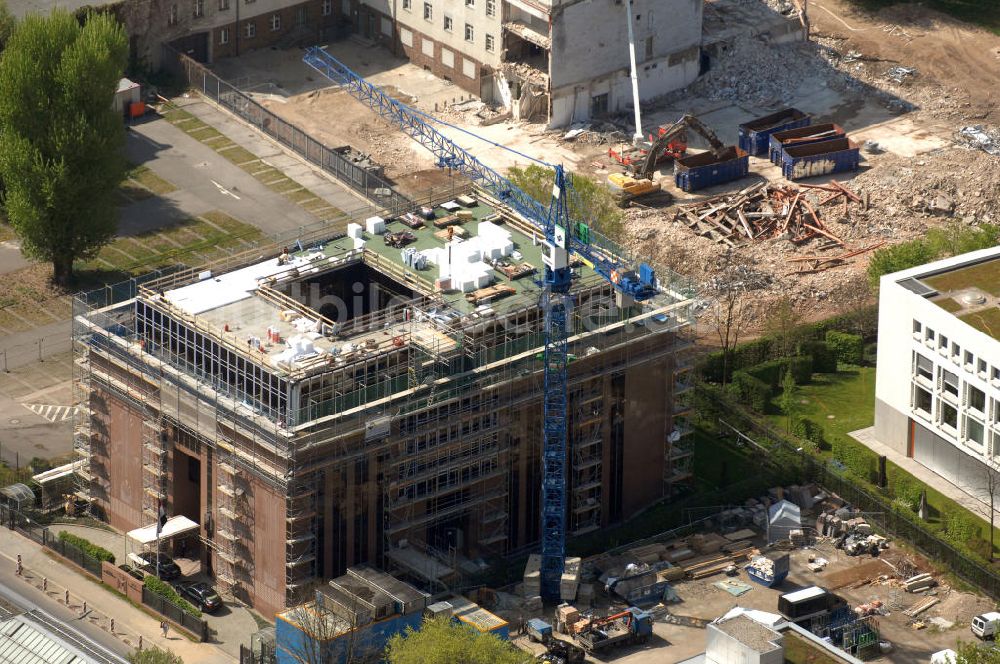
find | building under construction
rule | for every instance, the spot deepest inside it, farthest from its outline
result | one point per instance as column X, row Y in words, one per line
column 374, row 397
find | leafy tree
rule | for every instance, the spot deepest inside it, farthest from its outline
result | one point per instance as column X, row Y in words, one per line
column 974, row 653
column 60, row 141
column 782, row 324
column 592, row 202
column 789, row 399
column 441, row 641
column 154, row 655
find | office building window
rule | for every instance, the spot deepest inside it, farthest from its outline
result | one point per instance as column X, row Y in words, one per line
column 275, row 22
column 300, row 16
column 327, row 7
column 976, row 398
column 224, row 35
column 974, row 430
column 428, row 12
column 922, row 400
column 172, row 15
column 923, row 367
column 407, row 4
column 949, row 415
column 491, row 7
column 949, row 382
column 470, row 3
column 198, row 9
column 490, row 43
column 448, row 23
column 250, row 29
column 470, row 33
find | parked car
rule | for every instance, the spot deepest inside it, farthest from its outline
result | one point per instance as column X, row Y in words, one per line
column 146, row 561
column 133, row 572
column 201, row 595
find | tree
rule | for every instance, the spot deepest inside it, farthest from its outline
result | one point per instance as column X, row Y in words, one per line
column 154, row 655
column 60, row 141
column 782, row 324
column 789, row 399
column 730, row 311
column 328, row 636
column 441, row 641
column 988, row 492
column 592, row 202
column 974, row 653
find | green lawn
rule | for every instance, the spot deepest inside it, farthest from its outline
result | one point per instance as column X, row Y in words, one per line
column 845, row 402
column 840, row 402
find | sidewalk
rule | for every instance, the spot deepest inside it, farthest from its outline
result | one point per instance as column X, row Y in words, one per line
column 271, row 152
column 867, row 438
column 43, row 571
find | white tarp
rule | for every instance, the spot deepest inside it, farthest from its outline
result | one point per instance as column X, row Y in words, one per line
column 782, row 518
column 175, row 525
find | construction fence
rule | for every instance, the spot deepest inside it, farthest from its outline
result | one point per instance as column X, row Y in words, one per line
column 779, row 451
column 370, row 185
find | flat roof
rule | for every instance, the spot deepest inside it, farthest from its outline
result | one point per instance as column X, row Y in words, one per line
column 969, row 290
column 750, row 633
column 804, row 594
column 21, row 642
column 175, row 525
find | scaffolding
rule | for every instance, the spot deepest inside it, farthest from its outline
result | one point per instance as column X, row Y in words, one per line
column 432, row 410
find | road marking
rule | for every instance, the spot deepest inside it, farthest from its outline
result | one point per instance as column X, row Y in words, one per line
column 51, row 412
column 225, row 191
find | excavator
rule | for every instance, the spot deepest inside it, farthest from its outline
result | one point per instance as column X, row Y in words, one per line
column 671, row 142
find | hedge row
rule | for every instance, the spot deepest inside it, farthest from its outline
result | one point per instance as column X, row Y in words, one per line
column 813, row 339
column 87, row 547
column 167, row 592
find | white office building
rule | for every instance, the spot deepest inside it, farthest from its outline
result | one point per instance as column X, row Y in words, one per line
column 937, row 393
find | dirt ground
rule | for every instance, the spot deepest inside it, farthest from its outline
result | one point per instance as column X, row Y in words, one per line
column 848, row 576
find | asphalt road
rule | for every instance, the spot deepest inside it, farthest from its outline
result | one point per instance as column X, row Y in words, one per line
column 91, row 640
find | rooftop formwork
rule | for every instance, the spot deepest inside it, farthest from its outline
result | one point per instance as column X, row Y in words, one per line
column 334, row 407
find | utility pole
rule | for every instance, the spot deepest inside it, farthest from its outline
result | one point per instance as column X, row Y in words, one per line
column 635, row 74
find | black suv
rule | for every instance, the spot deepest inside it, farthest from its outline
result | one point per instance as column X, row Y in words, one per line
column 201, row 595
column 168, row 568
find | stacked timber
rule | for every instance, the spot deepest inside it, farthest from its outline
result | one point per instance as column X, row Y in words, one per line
column 917, row 583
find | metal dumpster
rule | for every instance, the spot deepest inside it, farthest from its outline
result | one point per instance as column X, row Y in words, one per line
column 705, row 169
column 754, row 135
column 802, row 136
column 822, row 158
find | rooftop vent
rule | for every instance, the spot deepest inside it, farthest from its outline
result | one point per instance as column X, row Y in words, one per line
column 973, row 298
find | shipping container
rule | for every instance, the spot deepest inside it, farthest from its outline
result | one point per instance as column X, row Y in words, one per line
column 802, row 136
column 754, row 135
column 705, row 169
column 808, row 161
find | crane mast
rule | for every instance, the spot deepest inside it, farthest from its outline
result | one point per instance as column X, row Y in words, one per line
column 561, row 237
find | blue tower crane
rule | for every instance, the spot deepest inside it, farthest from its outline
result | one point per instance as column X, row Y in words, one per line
column 561, row 237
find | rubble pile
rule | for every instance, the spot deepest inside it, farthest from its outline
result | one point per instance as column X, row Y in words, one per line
column 752, row 71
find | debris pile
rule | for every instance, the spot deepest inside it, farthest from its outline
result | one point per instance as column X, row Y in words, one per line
column 764, row 211
column 980, row 138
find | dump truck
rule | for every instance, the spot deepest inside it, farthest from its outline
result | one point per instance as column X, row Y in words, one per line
column 632, row 625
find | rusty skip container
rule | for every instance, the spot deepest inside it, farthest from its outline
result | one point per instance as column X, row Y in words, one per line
column 754, row 135
column 822, row 158
column 802, row 136
column 705, row 169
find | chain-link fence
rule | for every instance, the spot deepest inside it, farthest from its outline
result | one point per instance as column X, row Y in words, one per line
column 369, row 184
column 780, row 451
